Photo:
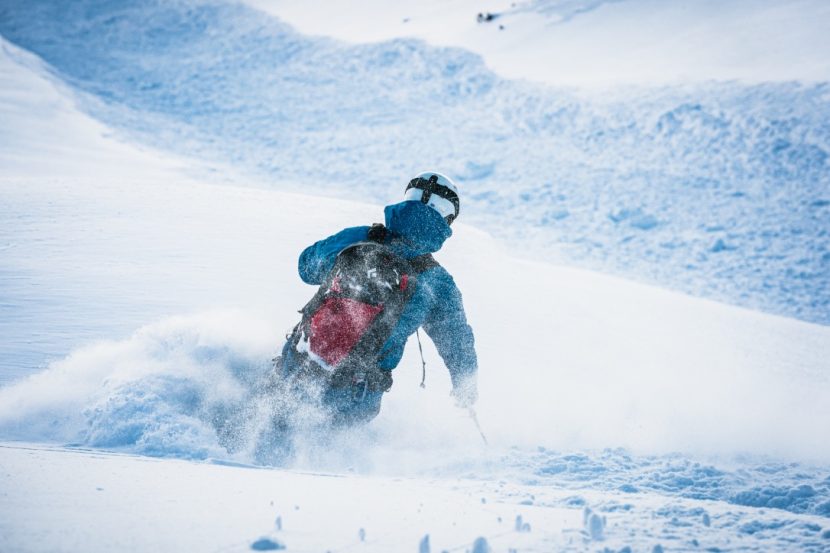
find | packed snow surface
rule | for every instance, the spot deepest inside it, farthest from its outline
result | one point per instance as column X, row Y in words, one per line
column 140, row 300
column 714, row 188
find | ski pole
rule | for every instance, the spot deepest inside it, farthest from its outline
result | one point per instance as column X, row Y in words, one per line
column 478, row 426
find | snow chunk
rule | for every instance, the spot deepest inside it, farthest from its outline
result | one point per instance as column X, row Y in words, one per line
column 267, row 544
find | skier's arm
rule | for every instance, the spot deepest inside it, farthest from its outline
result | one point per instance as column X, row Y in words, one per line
column 317, row 260
column 447, row 326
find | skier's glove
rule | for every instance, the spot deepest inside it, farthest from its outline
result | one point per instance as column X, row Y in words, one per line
column 465, row 392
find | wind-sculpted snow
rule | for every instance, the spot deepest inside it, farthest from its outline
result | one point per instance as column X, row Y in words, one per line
column 719, row 190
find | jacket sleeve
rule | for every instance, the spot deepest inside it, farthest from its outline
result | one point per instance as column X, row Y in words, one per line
column 446, row 324
column 317, row 260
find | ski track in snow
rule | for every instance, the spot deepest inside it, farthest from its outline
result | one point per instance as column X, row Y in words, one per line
column 718, row 189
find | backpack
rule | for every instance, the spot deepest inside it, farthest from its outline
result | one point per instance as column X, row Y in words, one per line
column 355, row 310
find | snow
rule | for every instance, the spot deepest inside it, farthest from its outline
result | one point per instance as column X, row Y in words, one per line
column 181, row 505
column 143, row 291
column 716, row 189
column 45, row 135
column 189, row 247
column 134, row 503
column 595, row 43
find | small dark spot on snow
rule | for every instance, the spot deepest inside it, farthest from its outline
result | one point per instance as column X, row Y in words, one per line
column 266, row 544
column 481, row 546
column 720, row 246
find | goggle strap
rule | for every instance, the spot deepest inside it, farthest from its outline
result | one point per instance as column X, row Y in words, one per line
column 428, row 189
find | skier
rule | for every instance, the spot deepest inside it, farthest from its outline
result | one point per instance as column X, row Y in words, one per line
column 345, row 364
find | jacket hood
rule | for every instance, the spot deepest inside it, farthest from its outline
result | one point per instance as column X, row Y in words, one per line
column 422, row 228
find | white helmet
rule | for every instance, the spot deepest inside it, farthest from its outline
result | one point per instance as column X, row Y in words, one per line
column 437, row 191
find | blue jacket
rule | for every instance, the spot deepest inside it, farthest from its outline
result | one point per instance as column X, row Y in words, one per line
column 436, row 303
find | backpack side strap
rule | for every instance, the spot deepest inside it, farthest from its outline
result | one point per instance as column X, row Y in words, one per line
column 423, row 262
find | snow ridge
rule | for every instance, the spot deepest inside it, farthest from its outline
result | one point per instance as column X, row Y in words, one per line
column 718, row 190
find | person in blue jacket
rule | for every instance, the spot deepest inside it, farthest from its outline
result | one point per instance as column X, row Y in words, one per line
column 415, row 227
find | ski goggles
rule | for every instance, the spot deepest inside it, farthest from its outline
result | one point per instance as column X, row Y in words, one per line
column 442, row 199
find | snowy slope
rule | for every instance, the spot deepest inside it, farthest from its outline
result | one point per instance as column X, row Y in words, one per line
column 563, row 371
column 97, row 257
column 663, row 360
column 104, row 241
column 718, row 189
column 211, row 507
column 595, row 42
column 45, row 135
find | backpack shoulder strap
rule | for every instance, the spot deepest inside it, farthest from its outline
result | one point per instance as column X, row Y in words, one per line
column 379, row 233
